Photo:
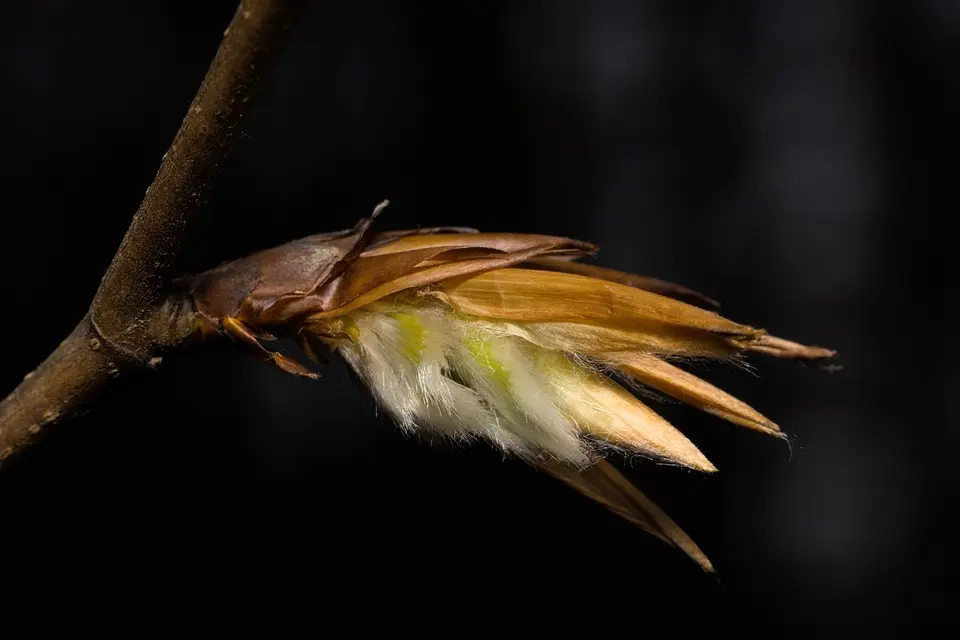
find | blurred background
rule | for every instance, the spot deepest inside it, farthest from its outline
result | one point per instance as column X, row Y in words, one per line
column 790, row 158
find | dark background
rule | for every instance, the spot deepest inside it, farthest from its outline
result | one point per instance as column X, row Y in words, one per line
column 790, row 158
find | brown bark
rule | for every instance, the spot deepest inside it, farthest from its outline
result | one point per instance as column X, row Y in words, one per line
column 133, row 320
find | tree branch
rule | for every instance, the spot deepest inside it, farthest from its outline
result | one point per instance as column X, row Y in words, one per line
column 133, row 319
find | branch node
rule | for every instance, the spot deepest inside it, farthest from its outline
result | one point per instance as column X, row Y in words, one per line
column 135, row 317
column 124, row 355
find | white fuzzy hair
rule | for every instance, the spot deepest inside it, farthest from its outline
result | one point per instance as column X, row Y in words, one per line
column 464, row 379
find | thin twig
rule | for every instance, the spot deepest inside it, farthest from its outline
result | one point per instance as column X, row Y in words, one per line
column 132, row 320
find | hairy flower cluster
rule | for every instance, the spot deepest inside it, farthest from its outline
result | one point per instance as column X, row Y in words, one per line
column 505, row 338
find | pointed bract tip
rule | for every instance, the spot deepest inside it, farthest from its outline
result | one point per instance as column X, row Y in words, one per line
column 780, row 348
column 705, row 465
column 377, row 210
